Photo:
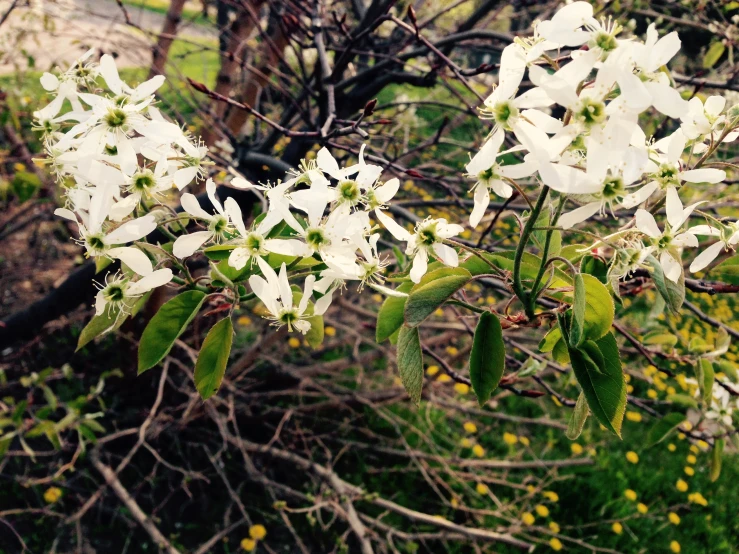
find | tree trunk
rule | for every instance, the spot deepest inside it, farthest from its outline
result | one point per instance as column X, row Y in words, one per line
column 160, row 52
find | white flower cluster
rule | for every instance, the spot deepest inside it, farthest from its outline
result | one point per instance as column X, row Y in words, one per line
column 114, row 153
column 597, row 156
column 118, row 157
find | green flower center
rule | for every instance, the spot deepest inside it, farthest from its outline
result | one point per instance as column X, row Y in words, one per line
column 316, row 238
column 349, row 191
column 111, row 150
column 114, row 292
column 254, row 242
column 115, row 118
column 590, row 112
column 143, row 181
column 605, row 42
column 613, row 188
column 95, row 243
column 504, row 112
column 667, row 175
column 218, row 224
column 288, row 317
column 427, row 234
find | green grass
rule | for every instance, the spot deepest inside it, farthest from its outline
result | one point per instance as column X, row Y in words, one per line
column 161, row 7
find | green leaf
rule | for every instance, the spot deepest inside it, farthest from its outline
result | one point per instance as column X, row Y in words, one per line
column 433, row 290
column 219, row 252
column 728, row 369
column 673, row 293
column 713, row 54
column 659, row 337
column 487, row 359
column 410, row 362
column 25, row 184
column 705, row 375
column 683, row 400
column 107, row 322
column 391, row 314
column 314, row 336
column 727, row 271
column 597, row 367
column 550, row 340
column 662, row 429
column 578, row 418
column 599, row 308
column 101, row 262
column 579, row 304
column 596, row 267
column 166, row 326
column 213, row 358
column 718, row 449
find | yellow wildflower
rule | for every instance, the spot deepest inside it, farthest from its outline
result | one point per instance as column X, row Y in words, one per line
column 443, row 378
column 674, row 518
column 248, row 544
column 481, row 488
column 478, row 451
column 642, row 508
column 510, row 438
column 555, row 543
column 329, row 331
column 632, row 457
column 461, row 388
column 681, row 485
column 293, row 342
column 524, row 440
column 551, row 496
column 633, row 416
column 617, row 528
column 689, row 471
column 576, row 448
column 542, row 510
column 470, row 427
column 528, row 518
column 691, row 459
column 630, row 494
column 554, row 526
column 432, row 370
column 671, row 447
column 465, row 443
column 257, row 532
column 675, row 547
column 52, row 495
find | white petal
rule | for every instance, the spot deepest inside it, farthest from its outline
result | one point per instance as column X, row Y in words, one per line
column 387, row 291
column 156, row 279
column 703, row 259
column 191, row 205
column 307, row 293
column 233, row 210
column 210, row 189
column 646, row 224
column 485, row 158
column 636, row 198
column 133, row 258
column 186, row 245
column 264, row 292
column 287, row 247
column 286, row 293
column 674, row 208
column 109, row 71
column 715, row 105
column 238, row 258
column 184, row 176
column 447, row 254
column 667, row 100
column 49, row 82
column 705, row 175
column 132, row 230
column 578, row 215
column 392, row 226
column 420, row 265
column 482, row 200
column 386, row 192
column 671, row 267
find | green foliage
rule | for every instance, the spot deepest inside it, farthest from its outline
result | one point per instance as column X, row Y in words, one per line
column 664, row 427
column 434, row 289
column 487, row 358
column 392, row 313
column 213, row 358
column 410, row 362
column 673, row 293
column 578, row 418
column 166, row 326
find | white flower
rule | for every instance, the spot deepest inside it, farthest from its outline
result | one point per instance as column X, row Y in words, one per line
column 218, row 223
column 489, row 174
column 427, row 240
column 121, row 293
column 142, row 184
column 729, row 235
column 668, row 174
column 668, row 243
column 98, row 242
column 721, row 408
column 703, row 119
column 66, row 86
column 254, row 243
column 277, row 296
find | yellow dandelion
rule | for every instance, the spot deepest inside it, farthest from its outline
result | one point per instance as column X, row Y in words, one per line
column 432, row 370
column 542, row 510
column 470, row 427
column 675, row 546
column 52, row 495
column 554, row 526
column 510, row 438
column 244, row 320
column 293, row 342
column 248, row 544
column 465, row 443
column 555, row 543
column 551, row 496
column 651, row 393
column 478, row 451
column 443, row 378
column 671, row 447
column 694, row 449
column 329, row 331
column 703, row 445
column 524, row 440
column 257, row 532
column 617, row 528
column 691, row 459
column 686, row 426
column 528, row 518
column 633, row 416
column 632, row 457
column 454, row 502
column 461, row 388
column 689, row 471
column 681, row 485
column 576, row 448
column 674, row 518
column 630, row 494
column 481, row 488
column 642, row 508
column 452, row 350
